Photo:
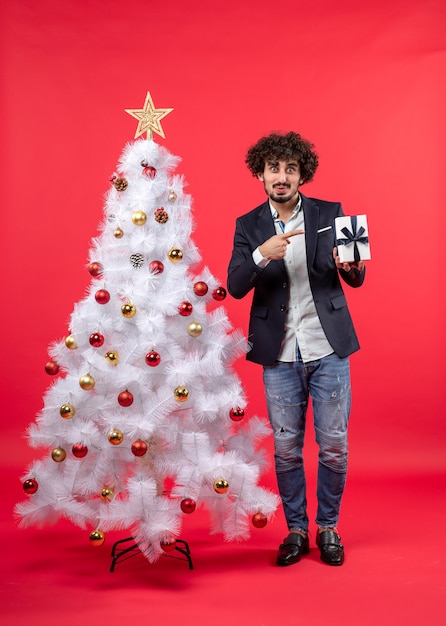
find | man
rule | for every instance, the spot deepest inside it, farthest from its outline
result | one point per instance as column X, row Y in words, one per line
column 300, row 330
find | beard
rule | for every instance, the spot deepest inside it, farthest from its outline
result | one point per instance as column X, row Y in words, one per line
column 282, row 199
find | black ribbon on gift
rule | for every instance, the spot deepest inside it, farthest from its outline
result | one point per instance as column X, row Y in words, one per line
column 353, row 237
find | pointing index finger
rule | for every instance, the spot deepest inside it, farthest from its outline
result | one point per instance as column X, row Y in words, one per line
column 292, row 233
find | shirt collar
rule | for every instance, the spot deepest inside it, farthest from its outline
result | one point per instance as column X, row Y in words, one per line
column 295, row 210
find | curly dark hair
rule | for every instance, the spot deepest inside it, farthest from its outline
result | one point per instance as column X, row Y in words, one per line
column 278, row 147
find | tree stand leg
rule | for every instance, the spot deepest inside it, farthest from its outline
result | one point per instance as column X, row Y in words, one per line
column 120, row 553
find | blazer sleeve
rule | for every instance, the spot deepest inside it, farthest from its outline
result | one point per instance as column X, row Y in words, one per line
column 353, row 278
column 243, row 273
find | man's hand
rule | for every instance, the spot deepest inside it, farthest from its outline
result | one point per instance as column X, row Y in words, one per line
column 274, row 248
column 346, row 266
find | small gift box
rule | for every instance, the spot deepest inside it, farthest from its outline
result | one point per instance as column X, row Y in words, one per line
column 352, row 238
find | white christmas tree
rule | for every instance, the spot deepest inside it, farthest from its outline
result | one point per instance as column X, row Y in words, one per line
column 145, row 419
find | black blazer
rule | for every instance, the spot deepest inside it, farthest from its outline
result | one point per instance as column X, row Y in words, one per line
column 271, row 290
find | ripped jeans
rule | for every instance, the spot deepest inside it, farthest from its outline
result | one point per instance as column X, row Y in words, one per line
column 288, row 387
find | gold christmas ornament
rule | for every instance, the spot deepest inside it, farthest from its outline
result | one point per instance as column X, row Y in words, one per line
column 58, row 455
column 115, row 437
column 70, row 342
column 87, row 382
column 172, row 196
column 107, row 494
column 149, row 118
column 194, row 329
column 118, row 233
column 139, row 218
column 175, row 255
column 221, row 485
column 67, row 411
column 112, row 357
column 181, row 394
column 128, row 310
column 97, row 538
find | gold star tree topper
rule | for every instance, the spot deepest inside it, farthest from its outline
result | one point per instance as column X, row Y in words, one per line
column 149, row 118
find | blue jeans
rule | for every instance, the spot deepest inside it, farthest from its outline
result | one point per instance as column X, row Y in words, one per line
column 288, row 387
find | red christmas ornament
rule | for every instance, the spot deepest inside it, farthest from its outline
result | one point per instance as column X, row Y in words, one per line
column 96, row 340
column 237, row 414
column 125, row 398
column 219, row 293
column 188, row 505
column 52, row 368
column 153, row 358
column 79, row 450
column 149, row 171
column 30, row 485
column 156, row 267
column 185, row 309
column 102, row 296
column 200, row 288
column 259, row 520
column 95, row 269
column 139, row 447
column 168, row 544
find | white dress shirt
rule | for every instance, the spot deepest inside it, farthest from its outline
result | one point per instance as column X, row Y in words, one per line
column 302, row 323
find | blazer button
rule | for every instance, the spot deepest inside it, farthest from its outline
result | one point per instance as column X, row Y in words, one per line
column 282, row 307
column 285, row 285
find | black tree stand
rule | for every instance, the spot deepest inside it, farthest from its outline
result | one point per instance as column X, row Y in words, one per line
column 120, row 553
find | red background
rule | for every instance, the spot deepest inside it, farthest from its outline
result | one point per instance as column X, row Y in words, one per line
column 364, row 81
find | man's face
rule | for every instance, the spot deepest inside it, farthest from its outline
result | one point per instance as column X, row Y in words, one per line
column 281, row 180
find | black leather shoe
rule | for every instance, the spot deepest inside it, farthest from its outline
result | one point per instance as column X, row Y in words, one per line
column 292, row 548
column 332, row 550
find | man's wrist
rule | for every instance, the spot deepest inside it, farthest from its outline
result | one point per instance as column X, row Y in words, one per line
column 259, row 260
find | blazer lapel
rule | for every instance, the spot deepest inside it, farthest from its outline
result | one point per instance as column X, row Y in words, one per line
column 265, row 222
column 267, row 229
column 311, row 216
